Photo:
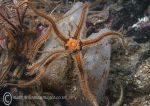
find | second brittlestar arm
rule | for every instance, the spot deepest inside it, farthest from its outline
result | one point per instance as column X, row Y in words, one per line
column 55, row 28
column 83, row 80
column 42, row 71
column 35, row 46
column 81, row 21
column 91, row 41
column 43, row 59
column 8, row 21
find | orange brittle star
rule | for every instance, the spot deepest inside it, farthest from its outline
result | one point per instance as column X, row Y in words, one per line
column 72, row 46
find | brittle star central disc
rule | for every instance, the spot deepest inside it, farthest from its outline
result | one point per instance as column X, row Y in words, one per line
column 73, row 44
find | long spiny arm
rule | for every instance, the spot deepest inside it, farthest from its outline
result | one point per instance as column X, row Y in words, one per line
column 55, row 28
column 11, row 24
column 100, row 37
column 42, row 60
column 10, row 36
column 81, row 21
column 21, row 4
column 28, row 83
column 35, row 46
column 83, row 80
column 41, row 73
column 17, row 11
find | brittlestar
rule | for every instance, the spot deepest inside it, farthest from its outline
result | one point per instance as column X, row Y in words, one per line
column 72, row 46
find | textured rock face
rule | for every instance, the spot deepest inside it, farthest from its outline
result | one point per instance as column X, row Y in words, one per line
column 142, row 76
column 133, row 70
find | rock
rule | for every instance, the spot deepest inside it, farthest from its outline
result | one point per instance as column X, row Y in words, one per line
column 142, row 76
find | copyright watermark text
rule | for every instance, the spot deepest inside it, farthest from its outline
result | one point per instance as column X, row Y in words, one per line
column 7, row 98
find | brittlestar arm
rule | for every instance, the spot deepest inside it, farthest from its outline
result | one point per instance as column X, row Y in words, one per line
column 21, row 4
column 83, row 80
column 26, row 6
column 81, row 21
column 23, row 84
column 5, row 72
column 88, row 41
column 35, row 46
column 55, row 28
column 41, row 73
column 17, row 6
column 8, row 21
column 42, row 60
column 18, row 15
column 10, row 36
